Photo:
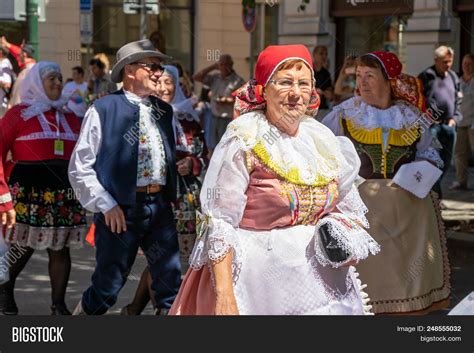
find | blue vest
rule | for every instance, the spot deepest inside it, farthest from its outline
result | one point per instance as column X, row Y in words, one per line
column 117, row 160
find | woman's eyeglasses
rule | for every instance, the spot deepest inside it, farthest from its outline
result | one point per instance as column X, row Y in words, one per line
column 152, row 67
column 285, row 84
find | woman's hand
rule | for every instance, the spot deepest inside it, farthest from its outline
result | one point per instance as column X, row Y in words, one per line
column 8, row 218
column 226, row 304
column 350, row 262
column 184, row 166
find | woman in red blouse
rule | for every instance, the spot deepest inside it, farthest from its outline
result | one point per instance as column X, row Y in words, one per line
column 40, row 134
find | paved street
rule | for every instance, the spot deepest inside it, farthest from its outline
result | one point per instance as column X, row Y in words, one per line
column 33, row 289
column 459, row 220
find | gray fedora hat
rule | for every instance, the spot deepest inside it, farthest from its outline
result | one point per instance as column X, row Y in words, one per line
column 132, row 52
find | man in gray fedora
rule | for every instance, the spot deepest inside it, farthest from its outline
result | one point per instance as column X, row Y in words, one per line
column 123, row 169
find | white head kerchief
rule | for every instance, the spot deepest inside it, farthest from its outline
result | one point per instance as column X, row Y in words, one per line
column 32, row 91
column 182, row 106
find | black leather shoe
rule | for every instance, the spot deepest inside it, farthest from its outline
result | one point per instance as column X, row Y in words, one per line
column 60, row 309
column 7, row 302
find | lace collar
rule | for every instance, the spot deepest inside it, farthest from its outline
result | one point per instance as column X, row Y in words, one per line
column 309, row 158
column 400, row 115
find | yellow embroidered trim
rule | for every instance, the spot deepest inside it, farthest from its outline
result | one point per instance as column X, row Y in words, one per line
column 292, row 175
column 384, row 162
column 402, row 137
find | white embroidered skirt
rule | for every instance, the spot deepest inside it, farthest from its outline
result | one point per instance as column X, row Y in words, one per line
column 280, row 276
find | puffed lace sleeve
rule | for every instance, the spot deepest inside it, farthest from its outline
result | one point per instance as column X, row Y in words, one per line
column 427, row 149
column 347, row 224
column 350, row 202
column 223, row 202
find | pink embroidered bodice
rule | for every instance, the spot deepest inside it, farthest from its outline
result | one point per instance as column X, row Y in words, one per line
column 273, row 202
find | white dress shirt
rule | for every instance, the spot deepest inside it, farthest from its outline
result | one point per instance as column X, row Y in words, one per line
column 90, row 193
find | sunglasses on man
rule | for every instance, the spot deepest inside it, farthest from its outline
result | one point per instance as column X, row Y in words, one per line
column 152, row 67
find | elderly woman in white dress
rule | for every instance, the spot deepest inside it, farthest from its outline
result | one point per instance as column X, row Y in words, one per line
column 276, row 179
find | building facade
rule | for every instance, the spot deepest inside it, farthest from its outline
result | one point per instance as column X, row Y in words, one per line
column 59, row 37
column 412, row 29
column 197, row 32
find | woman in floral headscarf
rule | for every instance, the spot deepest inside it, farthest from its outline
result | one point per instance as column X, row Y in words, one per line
column 41, row 135
column 276, row 177
column 386, row 123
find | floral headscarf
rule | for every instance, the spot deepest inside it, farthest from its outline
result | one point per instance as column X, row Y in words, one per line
column 403, row 86
column 250, row 98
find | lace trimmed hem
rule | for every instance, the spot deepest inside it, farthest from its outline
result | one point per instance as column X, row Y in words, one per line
column 5, row 198
column 363, row 295
column 41, row 238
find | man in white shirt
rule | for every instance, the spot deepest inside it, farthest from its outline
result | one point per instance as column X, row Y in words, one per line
column 6, row 74
column 76, row 92
column 123, row 169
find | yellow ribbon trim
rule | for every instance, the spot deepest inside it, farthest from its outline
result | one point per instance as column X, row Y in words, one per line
column 402, row 137
column 292, row 175
column 384, row 165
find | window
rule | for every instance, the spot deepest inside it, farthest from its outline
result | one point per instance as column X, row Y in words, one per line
column 360, row 35
column 171, row 31
column 177, row 31
column 366, row 34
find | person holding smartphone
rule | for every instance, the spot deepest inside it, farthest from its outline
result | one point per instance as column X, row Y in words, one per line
column 345, row 83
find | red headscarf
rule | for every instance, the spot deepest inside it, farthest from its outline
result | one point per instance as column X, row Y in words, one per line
column 249, row 97
column 404, row 87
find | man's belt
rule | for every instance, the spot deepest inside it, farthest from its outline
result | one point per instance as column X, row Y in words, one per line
column 150, row 189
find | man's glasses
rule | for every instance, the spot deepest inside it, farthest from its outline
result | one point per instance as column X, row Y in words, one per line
column 152, row 67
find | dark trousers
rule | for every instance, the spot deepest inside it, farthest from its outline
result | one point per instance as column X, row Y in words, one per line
column 220, row 126
column 150, row 226
column 446, row 136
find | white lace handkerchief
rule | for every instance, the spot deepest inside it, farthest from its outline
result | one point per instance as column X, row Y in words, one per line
column 417, row 177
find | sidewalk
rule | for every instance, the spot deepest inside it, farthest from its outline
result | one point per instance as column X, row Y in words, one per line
column 459, row 214
column 459, row 221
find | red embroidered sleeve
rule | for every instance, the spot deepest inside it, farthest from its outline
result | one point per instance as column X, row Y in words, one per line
column 9, row 126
